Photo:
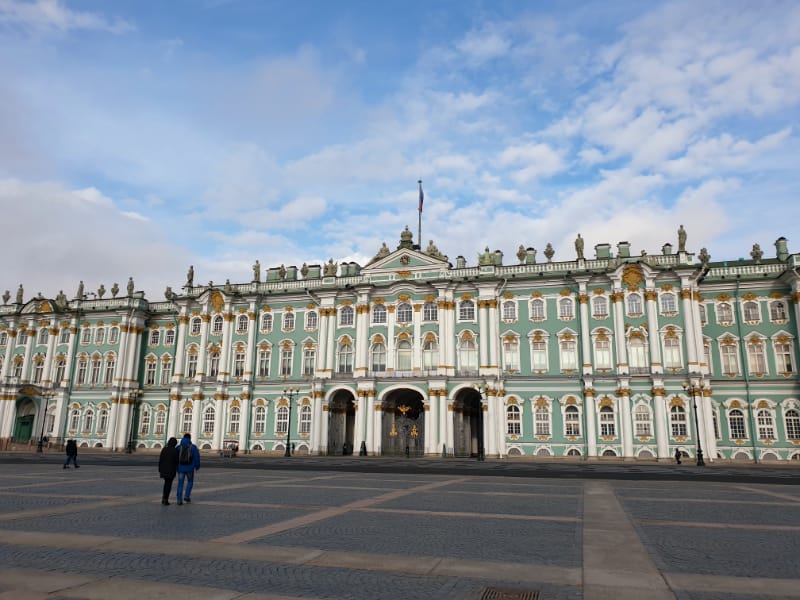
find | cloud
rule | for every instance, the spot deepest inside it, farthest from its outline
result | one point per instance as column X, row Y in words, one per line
column 537, row 160
column 51, row 16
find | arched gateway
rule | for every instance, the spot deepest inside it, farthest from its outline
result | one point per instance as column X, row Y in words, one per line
column 403, row 424
column 341, row 423
column 468, row 423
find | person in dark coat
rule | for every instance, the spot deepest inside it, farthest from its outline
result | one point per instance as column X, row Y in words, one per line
column 168, row 467
column 677, row 456
column 186, row 471
column 72, row 454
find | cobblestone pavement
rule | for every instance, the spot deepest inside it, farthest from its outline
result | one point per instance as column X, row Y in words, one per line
column 320, row 531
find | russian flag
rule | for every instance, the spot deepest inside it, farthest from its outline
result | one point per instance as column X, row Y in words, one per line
column 421, row 196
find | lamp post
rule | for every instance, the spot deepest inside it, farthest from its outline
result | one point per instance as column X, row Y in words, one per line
column 482, row 391
column 289, row 393
column 134, row 396
column 694, row 390
column 47, row 394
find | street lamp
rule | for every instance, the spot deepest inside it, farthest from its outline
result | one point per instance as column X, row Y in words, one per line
column 694, row 390
column 289, row 393
column 134, row 397
column 47, row 394
column 482, row 391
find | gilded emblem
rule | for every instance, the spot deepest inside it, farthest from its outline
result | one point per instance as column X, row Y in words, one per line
column 632, row 275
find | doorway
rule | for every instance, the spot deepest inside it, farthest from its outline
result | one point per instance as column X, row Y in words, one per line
column 403, row 424
column 468, row 424
column 341, row 423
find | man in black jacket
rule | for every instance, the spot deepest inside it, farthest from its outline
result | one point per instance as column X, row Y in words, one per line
column 168, row 467
column 72, row 454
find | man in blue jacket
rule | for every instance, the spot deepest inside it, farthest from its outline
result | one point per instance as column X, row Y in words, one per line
column 188, row 463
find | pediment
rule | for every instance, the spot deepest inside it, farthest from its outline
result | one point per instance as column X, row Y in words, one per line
column 405, row 259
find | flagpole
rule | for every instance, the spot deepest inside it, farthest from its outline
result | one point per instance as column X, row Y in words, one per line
column 419, row 215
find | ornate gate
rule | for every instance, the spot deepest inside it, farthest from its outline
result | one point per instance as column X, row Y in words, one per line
column 403, row 425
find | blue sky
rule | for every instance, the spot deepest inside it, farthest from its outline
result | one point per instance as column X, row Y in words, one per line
column 139, row 137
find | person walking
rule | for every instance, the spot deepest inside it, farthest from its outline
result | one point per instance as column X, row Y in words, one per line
column 677, row 456
column 188, row 463
column 72, row 454
column 168, row 467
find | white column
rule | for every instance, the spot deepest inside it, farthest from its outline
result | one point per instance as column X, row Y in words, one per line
column 48, row 361
column 391, row 358
column 251, row 344
column 331, row 354
column 362, row 338
column 9, row 355
column 590, row 406
column 449, row 425
column 244, row 428
column 316, row 422
column 617, row 300
column 499, row 410
column 626, row 424
column 225, row 356
column 371, row 415
column 661, row 425
column 488, row 414
column 493, row 337
column 26, row 363
column 691, row 343
column 432, row 427
column 710, row 438
column 175, row 415
column 484, row 336
column 416, row 357
column 361, row 413
column 653, row 328
column 444, row 415
column 324, row 428
column 322, row 349
column 180, row 348
column 586, row 348
column 202, row 355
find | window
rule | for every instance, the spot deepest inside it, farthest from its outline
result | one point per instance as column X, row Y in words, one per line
column 668, row 304
column 707, row 356
column 161, row 422
column 111, row 363
column 724, row 313
column 213, row 364
column 599, row 307
column 730, row 360
column 95, row 376
column 144, row 425
column 309, row 361
column 513, row 420
column 102, row 421
column 466, row 310
column 468, row 355
column 191, row 365
column 637, row 354
column 379, row 314
column 703, row 314
column 61, row 366
column 783, row 357
column 169, row 337
column 242, row 324
column 186, row 421
column 155, row 337
column 378, row 359
column 566, row 309
column 509, row 310
column 195, row 326
column 755, row 356
column 38, row 370
column 22, row 338
column 542, row 420
column 263, row 362
column 634, row 305
column 166, row 371
column 405, row 313
column 44, row 334
column 260, row 425
column 74, row 419
column 715, row 419
column 572, row 422
column 282, row 420
column 430, row 354
column 752, row 314
column 537, row 309
column 18, row 367
column 345, row 357
column 216, row 325
column 539, row 355
column 88, row 420
column 238, row 363
column 208, row 421
column 569, row 355
column 777, row 311
column 266, row 322
column 305, row 419
column 430, row 312
column 403, row 355
column 672, row 353
column 766, row 425
column 602, row 352
column 150, row 372
column 4, row 338
column 286, row 361
column 792, row 419
column 736, row 424
column 86, row 336
column 607, row 424
column 511, row 355
column 234, row 419
column 677, row 419
column 311, row 320
column 346, row 318
column 83, row 365
column 642, row 421
column 63, row 337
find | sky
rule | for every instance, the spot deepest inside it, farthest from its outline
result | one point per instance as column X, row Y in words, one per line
column 140, row 137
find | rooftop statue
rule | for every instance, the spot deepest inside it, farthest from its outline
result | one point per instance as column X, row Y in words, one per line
column 681, row 239
column 20, row 294
column 549, row 252
column 190, row 276
column 79, row 295
column 257, row 272
column 383, row 252
column 330, row 269
column 486, row 258
column 131, row 287
column 114, row 290
column 756, row 253
column 579, row 246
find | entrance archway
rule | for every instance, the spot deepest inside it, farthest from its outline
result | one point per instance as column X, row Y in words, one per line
column 468, row 424
column 341, row 423
column 403, row 424
column 23, row 423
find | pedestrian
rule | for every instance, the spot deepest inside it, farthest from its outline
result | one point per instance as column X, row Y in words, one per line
column 188, row 463
column 168, row 467
column 677, row 456
column 72, row 454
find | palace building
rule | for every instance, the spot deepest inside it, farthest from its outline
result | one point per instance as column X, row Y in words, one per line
column 619, row 355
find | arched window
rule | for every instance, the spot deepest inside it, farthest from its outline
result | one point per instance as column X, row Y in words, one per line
column 166, row 370
column 266, row 322
column 288, row 321
column 672, row 353
column 282, row 420
column 213, row 363
column 38, row 368
column 509, row 310
column 74, row 419
column 235, row 419
column 100, row 336
column 169, row 337
column 264, row 354
column 572, row 421
column 287, row 358
column 102, row 421
column 602, row 352
column 186, row 420
column 150, row 371
column 607, row 423
column 736, row 424
column 466, row 310
column 537, row 309
column 155, row 337
column 238, row 362
column 766, row 425
column 637, row 354
column 403, row 355
column 311, row 320
column 379, row 314
column 111, row 363
column 260, row 420
column 83, row 366
column 542, row 420
column 751, row 311
column 566, row 309
column 96, row 362
column 345, row 357
column 539, row 354
column 4, row 338
column 242, row 323
column 643, row 421
column 309, row 360
column 513, row 420
column 569, row 354
column 792, row 419
column 44, row 334
column 208, row 421
column 88, row 420
column 677, row 419
column 346, row 316
column 755, row 356
column 405, row 313
column 703, row 314
column 599, row 307
column 216, row 325
column 467, row 355
column 777, row 311
column 430, row 312
column 724, row 313
column 510, row 354
column 668, row 303
column 61, row 367
column 195, row 326
column 161, row 422
column 113, row 335
column 430, row 354
column 634, row 304
column 305, row 419
column 783, row 357
column 144, row 423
